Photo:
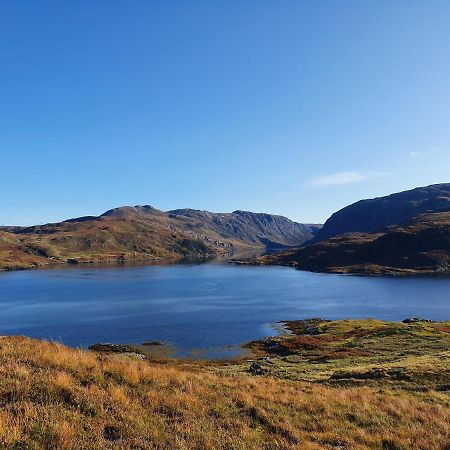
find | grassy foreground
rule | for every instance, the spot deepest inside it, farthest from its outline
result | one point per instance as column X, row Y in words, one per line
column 52, row 396
column 413, row 356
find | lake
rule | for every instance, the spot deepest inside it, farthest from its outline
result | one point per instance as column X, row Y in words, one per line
column 199, row 309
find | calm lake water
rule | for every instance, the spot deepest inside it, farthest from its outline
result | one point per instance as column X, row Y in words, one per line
column 208, row 307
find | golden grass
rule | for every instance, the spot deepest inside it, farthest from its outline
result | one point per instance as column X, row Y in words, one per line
column 53, row 397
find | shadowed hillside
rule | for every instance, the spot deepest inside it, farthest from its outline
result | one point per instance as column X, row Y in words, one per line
column 422, row 246
column 403, row 233
column 367, row 216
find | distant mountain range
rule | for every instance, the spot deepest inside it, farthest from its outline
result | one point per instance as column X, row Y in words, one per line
column 143, row 233
column 406, row 232
column 403, row 233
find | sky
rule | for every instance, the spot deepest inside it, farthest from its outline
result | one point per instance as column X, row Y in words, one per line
column 291, row 107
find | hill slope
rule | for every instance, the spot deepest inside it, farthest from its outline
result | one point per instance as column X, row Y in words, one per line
column 253, row 228
column 140, row 233
column 367, row 216
column 54, row 397
column 423, row 246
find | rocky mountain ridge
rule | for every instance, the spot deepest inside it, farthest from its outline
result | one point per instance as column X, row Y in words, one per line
column 260, row 229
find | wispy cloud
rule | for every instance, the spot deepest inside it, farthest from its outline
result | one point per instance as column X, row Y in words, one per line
column 339, row 178
column 432, row 150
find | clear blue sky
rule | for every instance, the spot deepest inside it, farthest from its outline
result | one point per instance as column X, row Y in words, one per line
column 289, row 107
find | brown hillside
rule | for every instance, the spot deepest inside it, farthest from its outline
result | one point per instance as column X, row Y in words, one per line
column 422, row 246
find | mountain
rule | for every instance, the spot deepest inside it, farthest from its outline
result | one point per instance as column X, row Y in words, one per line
column 422, row 246
column 367, row 216
column 255, row 229
column 136, row 233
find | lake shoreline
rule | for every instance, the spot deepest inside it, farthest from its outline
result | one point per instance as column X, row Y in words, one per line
column 145, row 262
column 272, row 346
column 201, row 310
column 105, row 263
column 379, row 271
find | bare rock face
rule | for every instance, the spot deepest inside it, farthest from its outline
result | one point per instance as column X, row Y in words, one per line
column 261, row 229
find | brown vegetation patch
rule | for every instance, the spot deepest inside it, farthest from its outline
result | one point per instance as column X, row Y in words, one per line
column 306, row 342
column 443, row 328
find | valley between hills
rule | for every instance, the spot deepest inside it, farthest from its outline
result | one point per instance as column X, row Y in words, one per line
column 400, row 234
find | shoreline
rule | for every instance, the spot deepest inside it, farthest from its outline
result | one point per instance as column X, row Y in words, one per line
column 101, row 262
column 271, row 345
column 412, row 354
column 119, row 261
column 379, row 272
column 144, row 262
